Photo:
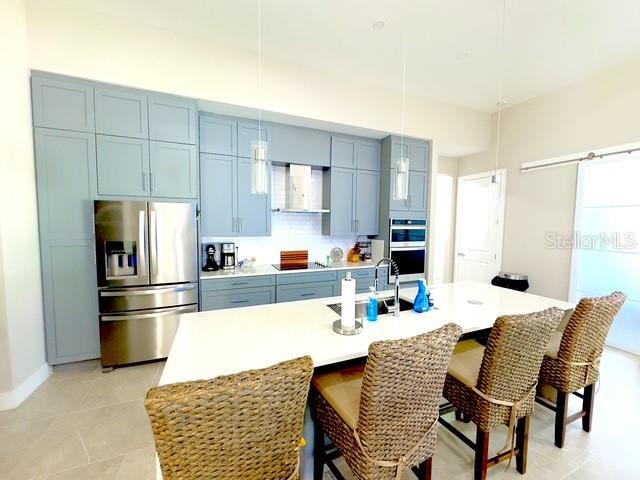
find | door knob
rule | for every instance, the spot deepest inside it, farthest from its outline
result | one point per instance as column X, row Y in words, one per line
column 460, row 254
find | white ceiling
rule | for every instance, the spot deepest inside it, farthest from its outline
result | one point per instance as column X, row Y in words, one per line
column 548, row 43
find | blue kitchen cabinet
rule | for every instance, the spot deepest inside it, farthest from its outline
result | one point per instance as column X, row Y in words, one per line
column 241, row 291
column 217, row 300
column 305, row 146
column 218, row 134
column 367, row 215
column 342, row 192
column 343, row 152
column 218, row 195
column 123, row 166
column 368, row 155
column 250, row 132
column 253, row 210
column 355, row 152
column 418, row 188
column 173, row 170
column 306, row 277
column 62, row 103
column 65, row 181
column 417, row 151
column 305, row 291
column 362, row 276
column 172, row 119
column 122, row 112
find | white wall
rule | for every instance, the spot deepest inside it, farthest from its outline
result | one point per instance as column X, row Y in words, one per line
column 445, row 219
column 64, row 38
column 21, row 321
column 596, row 113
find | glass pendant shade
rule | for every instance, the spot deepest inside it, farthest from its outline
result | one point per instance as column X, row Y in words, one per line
column 259, row 167
column 401, row 192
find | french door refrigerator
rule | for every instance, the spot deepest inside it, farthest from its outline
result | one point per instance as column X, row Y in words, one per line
column 146, row 256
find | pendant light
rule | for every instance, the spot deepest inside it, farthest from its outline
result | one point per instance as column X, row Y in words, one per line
column 401, row 183
column 260, row 146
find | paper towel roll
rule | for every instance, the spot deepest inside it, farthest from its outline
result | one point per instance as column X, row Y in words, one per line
column 348, row 302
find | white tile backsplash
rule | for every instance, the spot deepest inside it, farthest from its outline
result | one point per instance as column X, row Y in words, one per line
column 290, row 231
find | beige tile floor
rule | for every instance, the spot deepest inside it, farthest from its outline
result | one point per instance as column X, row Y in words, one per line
column 83, row 424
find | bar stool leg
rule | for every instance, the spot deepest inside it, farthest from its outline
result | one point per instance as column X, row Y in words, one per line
column 561, row 418
column 318, row 450
column 587, row 407
column 426, row 468
column 482, row 455
column 522, row 444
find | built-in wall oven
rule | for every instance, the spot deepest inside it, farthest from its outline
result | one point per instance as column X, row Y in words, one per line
column 408, row 248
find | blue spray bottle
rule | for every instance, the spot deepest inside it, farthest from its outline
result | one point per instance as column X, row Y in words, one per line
column 422, row 303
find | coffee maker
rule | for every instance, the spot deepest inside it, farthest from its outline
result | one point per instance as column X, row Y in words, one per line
column 228, row 256
column 211, row 265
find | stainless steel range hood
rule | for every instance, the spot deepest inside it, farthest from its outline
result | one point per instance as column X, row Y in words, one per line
column 299, row 191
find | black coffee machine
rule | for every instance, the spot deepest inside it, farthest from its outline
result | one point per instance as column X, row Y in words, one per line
column 211, row 265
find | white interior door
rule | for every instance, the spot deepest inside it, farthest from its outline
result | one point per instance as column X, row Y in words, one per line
column 607, row 229
column 479, row 226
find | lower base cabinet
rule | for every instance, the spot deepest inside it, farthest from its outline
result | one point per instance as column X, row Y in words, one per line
column 217, row 300
column 305, row 291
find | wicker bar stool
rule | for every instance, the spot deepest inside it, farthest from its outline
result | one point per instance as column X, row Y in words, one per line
column 247, row 425
column 572, row 360
column 495, row 385
column 382, row 417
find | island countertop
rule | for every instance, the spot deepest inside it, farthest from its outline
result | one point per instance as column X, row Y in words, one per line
column 221, row 342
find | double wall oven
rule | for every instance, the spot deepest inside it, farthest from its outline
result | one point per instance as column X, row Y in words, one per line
column 408, row 248
column 146, row 259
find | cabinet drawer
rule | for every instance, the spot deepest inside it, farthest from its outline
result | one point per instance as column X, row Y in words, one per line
column 358, row 273
column 216, row 284
column 292, row 293
column 243, row 297
column 297, row 278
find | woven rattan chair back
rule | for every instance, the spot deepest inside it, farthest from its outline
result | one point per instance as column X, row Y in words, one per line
column 401, row 391
column 586, row 332
column 246, row 425
column 514, row 353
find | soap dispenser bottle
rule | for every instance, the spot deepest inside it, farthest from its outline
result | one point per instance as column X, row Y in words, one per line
column 372, row 308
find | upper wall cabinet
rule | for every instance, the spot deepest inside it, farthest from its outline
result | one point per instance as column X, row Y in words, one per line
column 123, row 166
column 343, row 152
column 172, row 119
column 304, row 146
column 62, row 103
column 173, row 170
column 417, row 151
column 248, row 134
column 352, row 152
column 218, row 134
column 122, row 112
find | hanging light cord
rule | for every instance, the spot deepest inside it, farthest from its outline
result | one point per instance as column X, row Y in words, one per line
column 260, row 70
column 500, row 85
column 404, row 87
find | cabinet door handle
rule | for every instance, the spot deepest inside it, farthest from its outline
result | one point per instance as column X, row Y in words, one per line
column 239, row 224
column 144, row 181
column 236, row 302
column 307, row 294
column 152, row 183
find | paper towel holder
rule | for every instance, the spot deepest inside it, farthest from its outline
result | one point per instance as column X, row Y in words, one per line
column 338, row 328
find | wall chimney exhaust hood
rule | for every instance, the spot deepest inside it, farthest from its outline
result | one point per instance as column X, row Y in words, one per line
column 298, row 195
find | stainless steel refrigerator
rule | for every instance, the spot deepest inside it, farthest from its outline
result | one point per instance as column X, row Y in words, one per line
column 146, row 255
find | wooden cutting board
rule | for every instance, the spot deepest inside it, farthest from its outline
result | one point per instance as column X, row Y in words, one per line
column 292, row 259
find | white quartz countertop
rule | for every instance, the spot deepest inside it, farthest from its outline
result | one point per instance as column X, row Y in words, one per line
column 221, row 342
column 267, row 269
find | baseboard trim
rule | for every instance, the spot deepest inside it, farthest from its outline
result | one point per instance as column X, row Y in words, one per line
column 15, row 397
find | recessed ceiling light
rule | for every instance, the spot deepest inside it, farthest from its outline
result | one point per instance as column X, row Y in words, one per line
column 462, row 56
column 378, row 25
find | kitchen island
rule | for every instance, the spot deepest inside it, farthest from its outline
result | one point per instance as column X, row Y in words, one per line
column 222, row 342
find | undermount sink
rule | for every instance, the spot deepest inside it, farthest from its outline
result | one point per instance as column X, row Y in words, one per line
column 361, row 307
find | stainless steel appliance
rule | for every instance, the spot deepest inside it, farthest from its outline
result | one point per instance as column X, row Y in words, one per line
column 228, row 256
column 408, row 248
column 146, row 255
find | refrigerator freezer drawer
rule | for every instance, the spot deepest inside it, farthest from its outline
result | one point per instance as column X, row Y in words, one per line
column 138, row 298
column 139, row 336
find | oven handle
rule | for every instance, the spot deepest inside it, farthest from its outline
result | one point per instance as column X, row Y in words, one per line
column 405, row 246
column 408, row 227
